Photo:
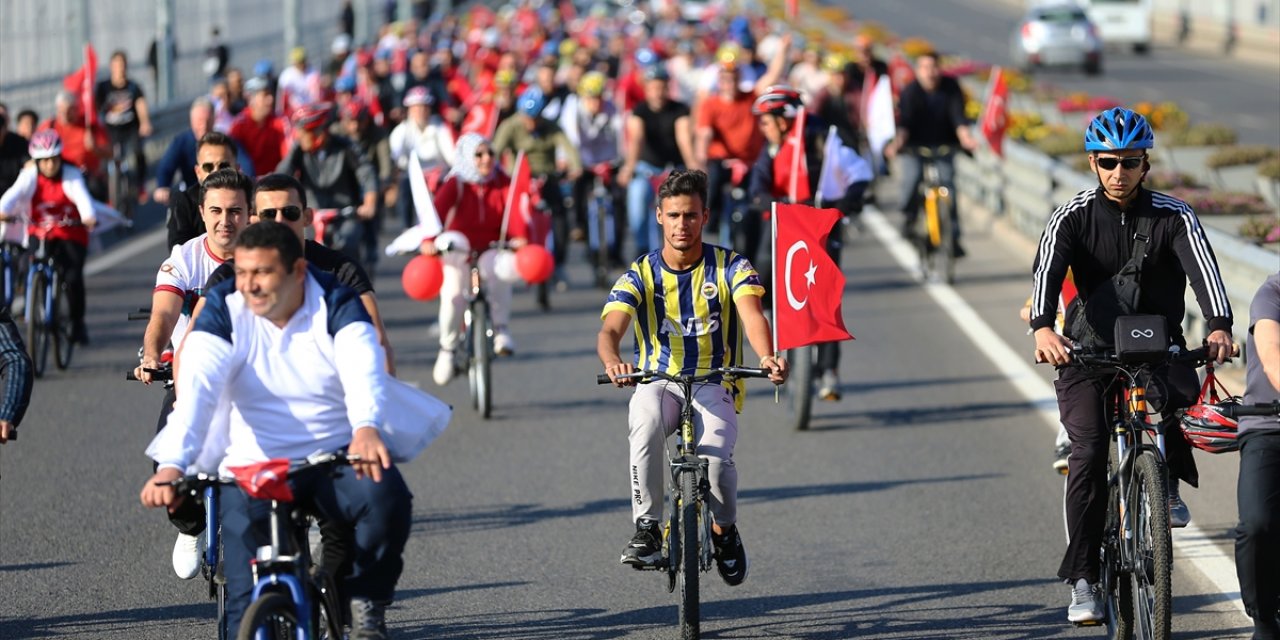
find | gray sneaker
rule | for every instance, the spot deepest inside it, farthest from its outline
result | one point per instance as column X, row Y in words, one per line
column 1086, row 603
column 829, row 389
column 368, row 620
column 1179, row 514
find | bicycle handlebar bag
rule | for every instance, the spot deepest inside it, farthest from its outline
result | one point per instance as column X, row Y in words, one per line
column 1141, row 338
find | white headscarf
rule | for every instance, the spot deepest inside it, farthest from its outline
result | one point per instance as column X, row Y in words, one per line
column 465, row 166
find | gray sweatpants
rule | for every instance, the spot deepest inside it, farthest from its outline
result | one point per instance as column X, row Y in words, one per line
column 655, row 416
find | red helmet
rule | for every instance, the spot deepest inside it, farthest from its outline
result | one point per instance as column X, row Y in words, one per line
column 779, row 100
column 1205, row 427
column 313, row 117
column 355, row 109
column 45, row 144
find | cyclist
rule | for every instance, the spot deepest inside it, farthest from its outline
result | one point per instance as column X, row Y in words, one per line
column 335, row 175
column 932, row 115
column 333, row 384
column 60, row 211
column 676, row 337
column 181, row 155
column 259, row 130
column 542, row 141
column 215, row 151
column 125, row 111
column 592, row 125
column 224, row 209
column 15, row 366
column 1258, row 488
column 372, row 141
column 84, row 143
column 659, row 136
column 472, row 200
column 427, row 135
column 1092, row 236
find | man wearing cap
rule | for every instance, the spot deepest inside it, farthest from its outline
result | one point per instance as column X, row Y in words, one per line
column 659, row 136
column 258, row 130
column 298, row 85
column 425, row 134
column 334, row 173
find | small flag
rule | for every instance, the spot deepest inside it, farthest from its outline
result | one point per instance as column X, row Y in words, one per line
column 265, row 480
column 881, row 127
column 808, row 286
column 995, row 117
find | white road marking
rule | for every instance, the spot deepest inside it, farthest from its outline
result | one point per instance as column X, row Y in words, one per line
column 1191, row 543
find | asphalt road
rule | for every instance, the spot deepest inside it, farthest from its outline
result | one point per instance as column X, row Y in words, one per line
column 1244, row 95
column 920, row 506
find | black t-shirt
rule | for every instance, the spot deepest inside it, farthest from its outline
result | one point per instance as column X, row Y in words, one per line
column 118, row 105
column 184, row 221
column 660, row 148
column 319, row 256
column 932, row 117
column 13, row 154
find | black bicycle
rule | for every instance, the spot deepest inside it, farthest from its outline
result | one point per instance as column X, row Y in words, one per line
column 48, row 309
column 935, row 235
column 686, row 542
column 800, row 387
column 1137, row 546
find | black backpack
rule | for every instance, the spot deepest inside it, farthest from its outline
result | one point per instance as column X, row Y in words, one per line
column 1092, row 324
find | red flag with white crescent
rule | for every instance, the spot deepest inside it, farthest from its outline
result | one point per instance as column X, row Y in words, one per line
column 80, row 83
column 808, row 285
column 995, row 117
column 267, row 480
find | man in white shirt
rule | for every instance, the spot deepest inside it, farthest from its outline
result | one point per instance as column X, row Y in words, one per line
column 299, row 360
column 224, row 208
column 427, row 135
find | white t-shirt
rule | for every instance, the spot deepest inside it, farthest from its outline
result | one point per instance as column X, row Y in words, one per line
column 184, row 273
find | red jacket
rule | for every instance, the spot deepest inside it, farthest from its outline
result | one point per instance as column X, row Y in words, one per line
column 266, row 144
column 475, row 210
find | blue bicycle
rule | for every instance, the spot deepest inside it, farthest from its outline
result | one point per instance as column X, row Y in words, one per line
column 11, row 262
column 48, row 312
column 292, row 598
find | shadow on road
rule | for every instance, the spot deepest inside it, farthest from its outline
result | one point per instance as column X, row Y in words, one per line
column 916, row 416
column 89, row 625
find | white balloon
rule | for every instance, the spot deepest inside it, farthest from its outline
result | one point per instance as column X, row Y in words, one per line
column 453, row 241
column 504, row 266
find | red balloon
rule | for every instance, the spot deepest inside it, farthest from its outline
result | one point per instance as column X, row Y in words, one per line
column 422, row 277
column 534, row 263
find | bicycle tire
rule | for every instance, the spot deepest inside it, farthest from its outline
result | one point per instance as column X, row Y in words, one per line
column 800, row 387
column 947, row 249
column 219, row 584
column 481, row 358
column 37, row 331
column 272, row 613
column 1117, row 587
column 1152, row 577
column 689, row 561
column 63, row 326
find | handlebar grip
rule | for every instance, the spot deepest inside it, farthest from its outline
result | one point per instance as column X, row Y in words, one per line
column 603, row 378
column 157, row 375
column 140, row 315
column 1238, row 411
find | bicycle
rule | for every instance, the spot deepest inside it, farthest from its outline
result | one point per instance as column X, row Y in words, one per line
column 602, row 236
column 292, row 598
column 1137, row 546
column 12, row 258
column 477, row 335
column 122, row 179
column 686, row 542
column 741, row 229
column 800, row 387
column 48, row 309
column 935, row 232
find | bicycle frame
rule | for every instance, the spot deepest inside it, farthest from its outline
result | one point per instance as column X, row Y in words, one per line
column 42, row 262
column 10, row 257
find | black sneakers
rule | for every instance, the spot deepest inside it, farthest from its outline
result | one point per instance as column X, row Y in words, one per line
column 731, row 557
column 645, row 548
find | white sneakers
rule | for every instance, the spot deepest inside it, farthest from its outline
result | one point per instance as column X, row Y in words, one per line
column 186, row 555
column 443, row 371
column 503, row 343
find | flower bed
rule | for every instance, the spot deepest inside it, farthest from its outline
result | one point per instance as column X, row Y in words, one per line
column 1270, row 169
column 1261, row 229
column 1080, row 101
column 1221, row 203
column 1200, row 135
column 1235, row 155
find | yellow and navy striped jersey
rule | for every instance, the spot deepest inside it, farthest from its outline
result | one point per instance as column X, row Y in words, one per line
column 685, row 321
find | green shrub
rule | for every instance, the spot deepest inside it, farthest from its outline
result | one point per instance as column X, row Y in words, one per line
column 1199, row 135
column 1167, row 180
column 1059, row 144
column 1236, row 155
column 1270, row 168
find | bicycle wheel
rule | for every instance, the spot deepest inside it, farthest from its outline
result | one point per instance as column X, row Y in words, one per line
column 689, row 564
column 37, row 331
column 481, row 358
column 1153, row 550
column 273, row 615
column 800, row 387
column 63, row 326
column 946, row 253
column 1117, row 589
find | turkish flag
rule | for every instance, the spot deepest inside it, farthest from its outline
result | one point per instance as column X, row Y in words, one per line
column 481, row 118
column 790, row 167
column 80, row 83
column 520, row 203
column 265, row 480
column 995, row 117
column 808, row 286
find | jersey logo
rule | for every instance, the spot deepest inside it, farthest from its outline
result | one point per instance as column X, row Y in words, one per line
column 691, row 326
column 710, row 290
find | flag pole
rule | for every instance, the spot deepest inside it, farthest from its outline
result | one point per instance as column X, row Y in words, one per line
column 773, row 244
column 511, row 196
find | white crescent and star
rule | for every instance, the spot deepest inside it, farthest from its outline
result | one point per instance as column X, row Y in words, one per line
column 809, row 276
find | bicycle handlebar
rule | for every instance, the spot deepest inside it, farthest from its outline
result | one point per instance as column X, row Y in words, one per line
column 157, row 375
column 140, row 314
column 1232, row 410
column 1081, row 357
column 645, row 376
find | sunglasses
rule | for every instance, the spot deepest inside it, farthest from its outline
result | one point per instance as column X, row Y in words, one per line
column 484, row 152
column 1109, row 163
column 290, row 213
column 210, row 167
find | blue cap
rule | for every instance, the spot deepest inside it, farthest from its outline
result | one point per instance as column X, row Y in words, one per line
column 264, row 68
column 344, row 84
column 531, row 102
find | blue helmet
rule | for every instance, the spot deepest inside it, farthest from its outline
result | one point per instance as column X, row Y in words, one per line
column 531, row 102
column 264, row 68
column 1116, row 129
column 646, row 57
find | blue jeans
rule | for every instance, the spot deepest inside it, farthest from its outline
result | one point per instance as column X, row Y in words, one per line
column 641, row 215
column 380, row 513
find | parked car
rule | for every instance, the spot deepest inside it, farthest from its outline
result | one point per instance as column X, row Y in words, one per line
column 1057, row 35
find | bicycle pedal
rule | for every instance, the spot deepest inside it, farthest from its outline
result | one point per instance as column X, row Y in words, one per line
column 1089, row 623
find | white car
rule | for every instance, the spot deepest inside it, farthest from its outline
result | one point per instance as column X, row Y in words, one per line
column 1057, row 35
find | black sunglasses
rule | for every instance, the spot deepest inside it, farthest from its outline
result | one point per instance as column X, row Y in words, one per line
column 290, row 213
column 210, row 167
column 1109, row 163
column 483, row 152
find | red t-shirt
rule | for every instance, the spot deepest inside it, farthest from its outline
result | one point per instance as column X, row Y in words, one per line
column 479, row 210
column 734, row 130
column 265, row 143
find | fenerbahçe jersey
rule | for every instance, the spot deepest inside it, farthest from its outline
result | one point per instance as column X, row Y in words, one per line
column 685, row 321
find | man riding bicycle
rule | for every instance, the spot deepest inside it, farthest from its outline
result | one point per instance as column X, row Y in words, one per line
column 60, row 211
column 932, row 116
column 298, row 359
column 1093, row 235
column 692, row 303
